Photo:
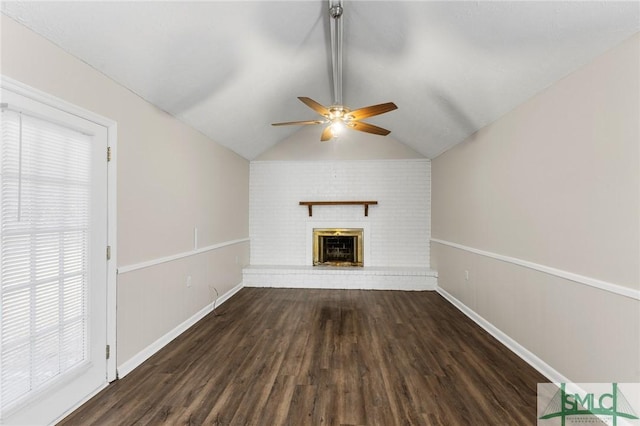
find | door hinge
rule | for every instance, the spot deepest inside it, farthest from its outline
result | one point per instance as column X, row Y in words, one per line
column 108, row 153
column 108, row 252
column 108, row 351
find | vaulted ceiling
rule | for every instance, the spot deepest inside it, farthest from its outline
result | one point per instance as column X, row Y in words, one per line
column 230, row 69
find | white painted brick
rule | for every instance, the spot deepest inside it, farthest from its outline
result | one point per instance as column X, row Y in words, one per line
column 341, row 278
column 398, row 228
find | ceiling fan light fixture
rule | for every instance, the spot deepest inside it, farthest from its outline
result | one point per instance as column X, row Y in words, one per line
column 337, row 116
column 337, row 127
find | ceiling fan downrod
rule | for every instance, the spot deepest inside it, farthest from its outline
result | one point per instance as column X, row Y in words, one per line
column 335, row 12
column 337, row 116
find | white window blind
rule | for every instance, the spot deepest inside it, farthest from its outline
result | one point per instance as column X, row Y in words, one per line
column 44, row 234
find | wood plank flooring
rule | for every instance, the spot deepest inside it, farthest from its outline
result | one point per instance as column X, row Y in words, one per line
column 325, row 357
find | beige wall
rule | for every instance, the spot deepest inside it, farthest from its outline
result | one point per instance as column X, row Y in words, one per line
column 305, row 145
column 555, row 182
column 171, row 179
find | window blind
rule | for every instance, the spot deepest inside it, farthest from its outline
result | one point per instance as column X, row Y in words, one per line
column 44, row 234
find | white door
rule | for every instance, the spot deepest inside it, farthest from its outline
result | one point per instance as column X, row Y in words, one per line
column 53, row 265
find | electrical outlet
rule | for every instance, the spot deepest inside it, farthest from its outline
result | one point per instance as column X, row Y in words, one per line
column 466, row 275
column 189, row 281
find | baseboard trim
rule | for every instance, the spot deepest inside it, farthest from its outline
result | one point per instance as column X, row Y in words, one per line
column 129, row 365
column 529, row 357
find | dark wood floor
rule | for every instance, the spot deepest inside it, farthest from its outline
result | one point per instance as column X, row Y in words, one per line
column 315, row 357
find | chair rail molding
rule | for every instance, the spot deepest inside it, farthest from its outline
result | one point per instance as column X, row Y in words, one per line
column 158, row 261
column 581, row 279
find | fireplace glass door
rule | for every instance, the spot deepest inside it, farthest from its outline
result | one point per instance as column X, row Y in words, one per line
column 338, row 247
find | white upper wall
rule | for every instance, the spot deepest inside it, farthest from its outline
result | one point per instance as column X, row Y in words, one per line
column 554, row 183
column 171, row 177
column 351, row 145
column 557, row 180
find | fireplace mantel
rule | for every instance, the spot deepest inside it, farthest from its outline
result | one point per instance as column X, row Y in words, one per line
column 310, row 204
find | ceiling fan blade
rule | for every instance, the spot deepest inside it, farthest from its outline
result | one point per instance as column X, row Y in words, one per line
column 320, row 109
column 298, row 123
column 368, row 128
column 327, row 134
column 372, row 110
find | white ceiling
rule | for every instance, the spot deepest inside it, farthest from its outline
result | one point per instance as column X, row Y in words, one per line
column 229, row 69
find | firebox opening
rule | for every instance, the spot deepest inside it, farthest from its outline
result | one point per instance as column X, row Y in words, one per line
column 338, row 247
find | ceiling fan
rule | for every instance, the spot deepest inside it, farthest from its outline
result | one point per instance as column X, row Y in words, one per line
column 337, row 116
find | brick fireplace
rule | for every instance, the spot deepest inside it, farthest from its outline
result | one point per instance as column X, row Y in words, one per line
column 395, row 233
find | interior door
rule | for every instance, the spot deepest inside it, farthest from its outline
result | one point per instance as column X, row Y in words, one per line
column 53, row 264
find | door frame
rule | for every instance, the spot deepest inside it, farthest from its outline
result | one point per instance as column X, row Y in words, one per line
column 27, row 91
